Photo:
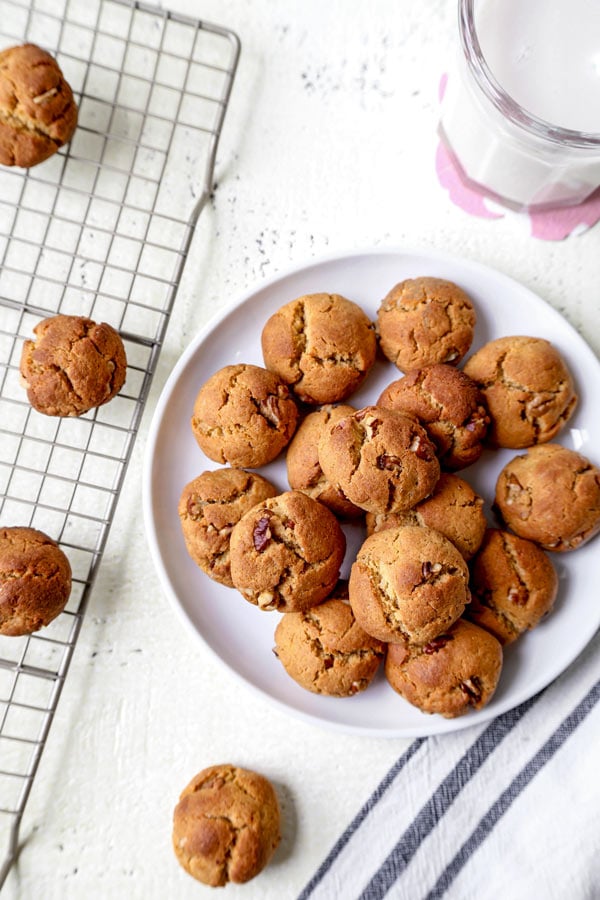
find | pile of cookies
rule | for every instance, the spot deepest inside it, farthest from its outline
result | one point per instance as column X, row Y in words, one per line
column 434, row 594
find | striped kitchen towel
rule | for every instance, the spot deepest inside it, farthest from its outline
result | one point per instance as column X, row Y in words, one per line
column 509, row 809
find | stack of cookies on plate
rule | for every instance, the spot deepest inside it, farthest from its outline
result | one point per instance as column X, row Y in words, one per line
column 432, row 591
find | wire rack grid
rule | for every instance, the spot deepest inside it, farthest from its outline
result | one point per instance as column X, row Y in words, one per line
column 102, row 229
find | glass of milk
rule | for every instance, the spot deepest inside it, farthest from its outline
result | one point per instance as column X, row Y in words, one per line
column 521, row 109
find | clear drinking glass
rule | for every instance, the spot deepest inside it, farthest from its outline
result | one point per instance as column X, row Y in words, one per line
column 521, row 108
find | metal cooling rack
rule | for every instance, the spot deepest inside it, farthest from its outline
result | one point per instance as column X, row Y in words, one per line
column 102, row 229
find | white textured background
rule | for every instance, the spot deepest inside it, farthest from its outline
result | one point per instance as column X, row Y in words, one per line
column 329, row 144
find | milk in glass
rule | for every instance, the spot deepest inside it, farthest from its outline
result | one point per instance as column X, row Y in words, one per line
column 545, row 55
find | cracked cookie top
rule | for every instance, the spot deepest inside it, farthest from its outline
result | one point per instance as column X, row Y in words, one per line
column 38, row 113
column 450, row 407
column 452, row 674
column 408, row 584
column 322, row 345
column 244, row 415
column 453, row 509
column 226, row 825
column 325, row 650
column 302, row 461
column 425, row 320
column 381, row 460
column 209, row 506
column 35, row 580
column 513, row 585
column 286, row 553
column 528, row 390
column 72, row 366
column 550, row 495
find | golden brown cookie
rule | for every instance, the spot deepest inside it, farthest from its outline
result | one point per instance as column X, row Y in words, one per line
column 35, row 580
column 244, row 416
column 381, row 460
column 286, row 553
column 322, row 345
column 528, row 390
column 423, row 321
column 72, row 366
column 450, row 407
column 38, row 113
column 325, row 650
column 302, row 460
column 453, row 509
column 550, row 495
column 452, row 674
column 226, row 825
column 408, row 584
column 513, row 585
column 209, row 507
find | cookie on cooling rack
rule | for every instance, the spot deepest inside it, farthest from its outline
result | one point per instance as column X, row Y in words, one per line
column 38, row 113
column 72, row 365
column 35, row 580
column 381, row 460
column 226, row 825
column 513, row 585
column 450, row 407
column 453, row 509
column 209, row 506
column 550, row 495
column 408, row 584
column 286, row 553
column 244, row 415
column 325, row 650
column 302, row 461
column 527, row 388
column 322, row 345
column 423, row 321
column 457, row 671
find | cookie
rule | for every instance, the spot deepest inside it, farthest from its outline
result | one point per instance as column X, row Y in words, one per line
column 72, row 366
column 302, row 460
column 381, row 460
column 243, row 415
column 38, row 113
column 408, row 585
column 322, row 345
column 513, row 585
column 550, row 495
column 423, row 321
column 452, row 674
column 453, row 509
column 450, row 407
column 226, row 825
column 35, row 580
column 286, row 553
column 209, row 507
column 528, row 390
column 326, row 651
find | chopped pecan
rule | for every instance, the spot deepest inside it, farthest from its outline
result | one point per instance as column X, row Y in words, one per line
column 420, row 448
column 429, row 569
column 437, row 643
column 262, row 533
column 389, row 462
column 472, row 688
column 269, row 408
column 514, row 596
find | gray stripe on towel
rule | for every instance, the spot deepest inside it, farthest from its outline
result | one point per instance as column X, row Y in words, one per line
column 519, row 783
column 441, row 800
column 360, row 817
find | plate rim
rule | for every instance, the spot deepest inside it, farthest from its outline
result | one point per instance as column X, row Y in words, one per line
column 241, row 299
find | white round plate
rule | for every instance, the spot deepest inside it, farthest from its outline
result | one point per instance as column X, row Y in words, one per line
column 239, row 633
